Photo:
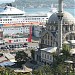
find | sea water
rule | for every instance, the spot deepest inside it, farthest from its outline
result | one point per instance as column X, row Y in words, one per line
column 45, row 10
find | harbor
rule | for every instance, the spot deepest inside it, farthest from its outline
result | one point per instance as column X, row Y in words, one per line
column 37, row 41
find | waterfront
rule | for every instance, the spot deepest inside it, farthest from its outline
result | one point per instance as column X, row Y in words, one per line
column 45, row 10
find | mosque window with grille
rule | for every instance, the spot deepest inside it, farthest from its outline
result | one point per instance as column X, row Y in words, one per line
column 70, row 37
column 71, row 27
column 74, row 37
column 66, row 28
column 66, row 38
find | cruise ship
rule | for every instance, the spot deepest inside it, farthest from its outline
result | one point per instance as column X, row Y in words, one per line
column 18, row 26
column 12, row 15
column 14, row 21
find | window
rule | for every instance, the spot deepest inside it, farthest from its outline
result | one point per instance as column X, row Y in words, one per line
column 74, row 37
column 42, row 55
column 50, row 57
column 45, row 41
column 66, row 28
column 66, row 38
column 42, row 41
column 51, row 37
column 71, row 27
column 4, row 19
column 51, row 43
column 70, row 37
column 26, row 39
column 56, row 28
column 0, row 19
column 48, row 36
column 47, row 56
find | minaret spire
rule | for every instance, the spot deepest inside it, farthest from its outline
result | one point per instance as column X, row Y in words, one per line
column 60, row 16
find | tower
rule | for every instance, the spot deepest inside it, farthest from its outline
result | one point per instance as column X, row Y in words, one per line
column 60, row 18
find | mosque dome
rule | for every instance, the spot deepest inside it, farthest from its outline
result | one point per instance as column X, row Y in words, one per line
column 67, row 18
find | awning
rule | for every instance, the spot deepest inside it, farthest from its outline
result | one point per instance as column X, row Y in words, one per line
column 7, row 63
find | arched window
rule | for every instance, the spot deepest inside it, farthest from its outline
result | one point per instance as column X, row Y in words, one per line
column 66, row 38
column 70, row 37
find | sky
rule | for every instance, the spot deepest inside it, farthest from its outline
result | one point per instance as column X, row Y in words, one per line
column 6, row 1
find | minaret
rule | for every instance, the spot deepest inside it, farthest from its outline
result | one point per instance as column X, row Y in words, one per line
column 60, row 16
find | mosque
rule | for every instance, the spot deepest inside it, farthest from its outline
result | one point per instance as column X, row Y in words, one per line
column 49, row 35
column 49, row 41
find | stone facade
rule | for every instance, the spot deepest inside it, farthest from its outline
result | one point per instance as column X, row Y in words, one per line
column 49, row 36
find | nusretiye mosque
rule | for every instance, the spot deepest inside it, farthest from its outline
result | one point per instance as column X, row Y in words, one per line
column 59, row 30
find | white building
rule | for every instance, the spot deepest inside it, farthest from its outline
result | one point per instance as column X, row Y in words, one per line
column 33, row 45
column 47, row 55
column 18, row 28
column 16, row 40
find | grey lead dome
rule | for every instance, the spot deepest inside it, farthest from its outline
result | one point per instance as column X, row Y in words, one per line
column 67, row 18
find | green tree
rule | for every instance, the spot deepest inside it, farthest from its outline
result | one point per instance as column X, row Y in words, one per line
column 21, row 56
column 6, row 71
column 58, row 60
column 32, row 54
column 60, row 69
column 43, row 70
column 66, row 51
column 64, row 55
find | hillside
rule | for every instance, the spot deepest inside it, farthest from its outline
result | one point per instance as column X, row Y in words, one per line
column 40, row 3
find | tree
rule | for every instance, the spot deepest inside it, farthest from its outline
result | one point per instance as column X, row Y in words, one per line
column 43, row 70
column 66, row 51
column 32, row 54
column 60, row 69
column 64, row 55
column 6, row 71
column 21, row 56
column 58, row 62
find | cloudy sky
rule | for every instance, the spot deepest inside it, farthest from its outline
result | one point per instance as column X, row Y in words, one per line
column 6, row 1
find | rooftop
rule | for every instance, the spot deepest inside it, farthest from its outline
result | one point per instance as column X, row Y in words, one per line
column 49, row 49
column 10, row 57
column 68, row 19
column 72, row 51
